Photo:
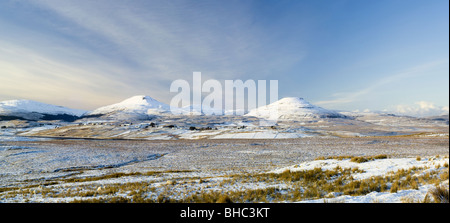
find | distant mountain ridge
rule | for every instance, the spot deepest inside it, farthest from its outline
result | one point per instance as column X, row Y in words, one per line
column 33, row 110
column 146, row 107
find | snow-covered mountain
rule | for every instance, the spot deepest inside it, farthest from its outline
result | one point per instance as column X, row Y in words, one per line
column 145, row 107
column 140, row 107
column 293, row 108
column 33, row 110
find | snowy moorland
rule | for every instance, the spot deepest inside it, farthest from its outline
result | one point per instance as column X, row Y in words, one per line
column 288, row 170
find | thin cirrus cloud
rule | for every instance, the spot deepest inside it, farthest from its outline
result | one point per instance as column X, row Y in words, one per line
column 101, row 48
column 176, row 39
column 398, row 78
column 339, row 54
column 26, row 72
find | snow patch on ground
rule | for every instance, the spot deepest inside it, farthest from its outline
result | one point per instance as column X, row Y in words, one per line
column 378, row 167
column 379, row 197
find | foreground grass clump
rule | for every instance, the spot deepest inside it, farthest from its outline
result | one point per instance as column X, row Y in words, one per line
column 356, row 159
column 440, row 194
column 120, row 174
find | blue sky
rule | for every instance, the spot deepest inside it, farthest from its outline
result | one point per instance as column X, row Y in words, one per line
column 339, row 54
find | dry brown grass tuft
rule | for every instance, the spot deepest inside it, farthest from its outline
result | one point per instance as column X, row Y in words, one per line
column 440, row 194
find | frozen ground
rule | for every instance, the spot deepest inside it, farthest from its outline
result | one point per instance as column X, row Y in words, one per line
column 68, row 170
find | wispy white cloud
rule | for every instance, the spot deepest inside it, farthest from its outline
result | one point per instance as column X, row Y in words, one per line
column 176, row 38
column 118, row 47
column 33, row 75
column 108, row 50
column 350, row 97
